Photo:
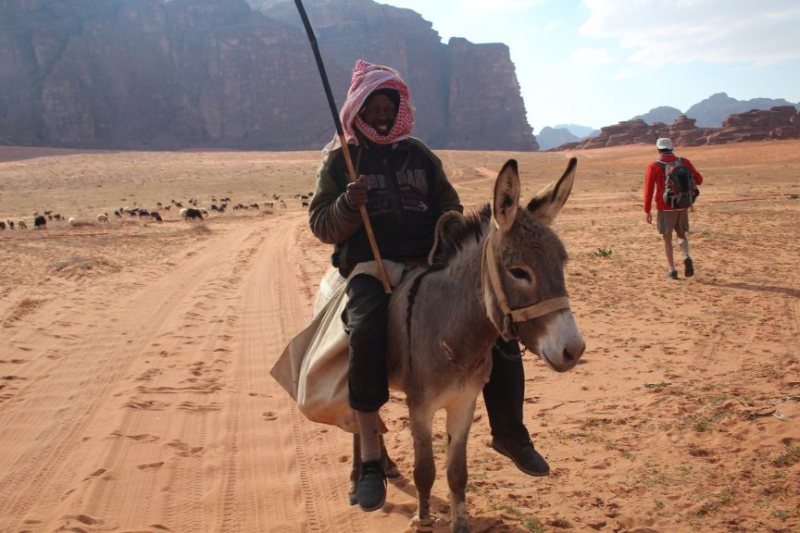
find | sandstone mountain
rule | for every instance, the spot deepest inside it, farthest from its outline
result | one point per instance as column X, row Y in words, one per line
column 712, row 112
column 664, row 114
column 781, row 122
column 551, row 137
column 218, row 73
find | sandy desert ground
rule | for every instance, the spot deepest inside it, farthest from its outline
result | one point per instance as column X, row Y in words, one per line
column 135, row 393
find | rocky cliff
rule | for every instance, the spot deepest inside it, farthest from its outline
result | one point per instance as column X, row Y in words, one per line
column 217, row 73
column 782, row 122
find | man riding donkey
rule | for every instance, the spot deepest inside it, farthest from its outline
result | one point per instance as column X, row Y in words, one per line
column 405, row 190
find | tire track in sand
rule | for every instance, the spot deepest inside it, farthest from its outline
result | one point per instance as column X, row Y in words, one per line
column 289, row 482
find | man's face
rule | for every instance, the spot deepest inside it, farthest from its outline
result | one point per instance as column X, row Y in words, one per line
column 380, row 113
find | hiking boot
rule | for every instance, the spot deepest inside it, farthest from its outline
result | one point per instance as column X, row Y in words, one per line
column 688, row 267
column 371, row 489
column 672, row 274
column 524, row 456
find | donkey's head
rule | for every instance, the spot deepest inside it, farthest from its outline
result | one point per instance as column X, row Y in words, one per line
column 523, row 270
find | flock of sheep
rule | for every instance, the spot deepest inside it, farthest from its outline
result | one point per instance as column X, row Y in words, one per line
column 186, row 213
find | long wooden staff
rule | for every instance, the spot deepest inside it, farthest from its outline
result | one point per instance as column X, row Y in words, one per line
column 345, row 149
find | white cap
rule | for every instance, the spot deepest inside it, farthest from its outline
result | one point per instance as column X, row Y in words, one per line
column 664, row 143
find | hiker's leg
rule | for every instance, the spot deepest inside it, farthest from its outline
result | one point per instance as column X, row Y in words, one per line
column 666, row 225
column 504, row 395
column 668, row 250
column 682, row 228
column 683, row 242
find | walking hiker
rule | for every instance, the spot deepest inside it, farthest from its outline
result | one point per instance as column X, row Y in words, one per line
column 674, row 181
column 405, row 190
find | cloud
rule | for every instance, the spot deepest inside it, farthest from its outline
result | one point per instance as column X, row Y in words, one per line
column 554, row 25
column 591, row 57
column 712, row 31
column 626, row 74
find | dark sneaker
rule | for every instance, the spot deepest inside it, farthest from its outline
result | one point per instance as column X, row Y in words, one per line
column 371, row 489
column 524, row 456
column 672, row 274
column 688, row 267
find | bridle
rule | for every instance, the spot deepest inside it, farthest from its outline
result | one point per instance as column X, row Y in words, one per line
column 490, row 272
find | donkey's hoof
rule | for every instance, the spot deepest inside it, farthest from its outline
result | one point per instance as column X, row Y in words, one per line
column 426, row 525
column 461, row 527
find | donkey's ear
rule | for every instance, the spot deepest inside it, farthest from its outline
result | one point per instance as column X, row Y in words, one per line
column 448, row 227
column 552, row 198
column 506, row 196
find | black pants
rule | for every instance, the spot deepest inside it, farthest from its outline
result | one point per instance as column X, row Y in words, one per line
column 367, row 318
column 505, row 392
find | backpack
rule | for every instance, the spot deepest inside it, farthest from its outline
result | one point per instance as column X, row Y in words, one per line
column 680, row 188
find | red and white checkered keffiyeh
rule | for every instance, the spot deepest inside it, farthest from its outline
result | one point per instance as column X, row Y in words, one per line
column 366, row 79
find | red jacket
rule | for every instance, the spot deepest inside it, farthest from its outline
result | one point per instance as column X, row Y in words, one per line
column 654, row 182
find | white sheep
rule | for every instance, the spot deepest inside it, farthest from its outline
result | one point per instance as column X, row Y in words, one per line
column 73, row 221
column 102, row 217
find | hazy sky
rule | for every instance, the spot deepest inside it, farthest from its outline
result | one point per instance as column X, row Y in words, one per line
column 597, row 62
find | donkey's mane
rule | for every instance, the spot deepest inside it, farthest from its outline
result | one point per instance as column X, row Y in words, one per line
column 461, row 235
column 457, row 238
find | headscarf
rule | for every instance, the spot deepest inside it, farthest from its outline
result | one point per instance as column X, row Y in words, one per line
column 366, row 79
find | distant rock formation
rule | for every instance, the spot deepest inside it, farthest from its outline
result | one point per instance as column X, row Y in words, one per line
column 782, row 122
column 712, row 112
column 136, row 74
column 552, row 137
column 581, row 132
column 665, row 114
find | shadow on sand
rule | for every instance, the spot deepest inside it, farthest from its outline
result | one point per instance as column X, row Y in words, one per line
column 441, row 509
column 795, row 293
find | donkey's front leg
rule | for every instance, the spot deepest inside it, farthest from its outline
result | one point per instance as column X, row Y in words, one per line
column 459, row 420
column 424, row 467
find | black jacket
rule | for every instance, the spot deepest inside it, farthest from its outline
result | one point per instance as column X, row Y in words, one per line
column 408, row 191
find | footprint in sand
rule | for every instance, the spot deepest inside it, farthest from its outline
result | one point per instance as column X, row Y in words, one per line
column 184, row 450
column 146, row 405
column 143, row 437
column 191, row 406
column 269, row 416
column 83, row 519
column 150, row 466
column 98, row 472
column 147, row 375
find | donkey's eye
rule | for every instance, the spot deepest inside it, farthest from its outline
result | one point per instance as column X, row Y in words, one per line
column 520, row 273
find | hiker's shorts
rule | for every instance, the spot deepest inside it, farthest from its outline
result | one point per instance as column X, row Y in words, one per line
column 677, row 220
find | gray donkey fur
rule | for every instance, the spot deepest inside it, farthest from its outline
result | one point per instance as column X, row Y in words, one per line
column 444, row 320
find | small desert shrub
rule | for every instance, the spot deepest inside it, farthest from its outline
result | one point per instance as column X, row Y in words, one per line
column 602, row 252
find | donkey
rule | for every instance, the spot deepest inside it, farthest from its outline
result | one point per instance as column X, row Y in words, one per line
column 498, row 271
